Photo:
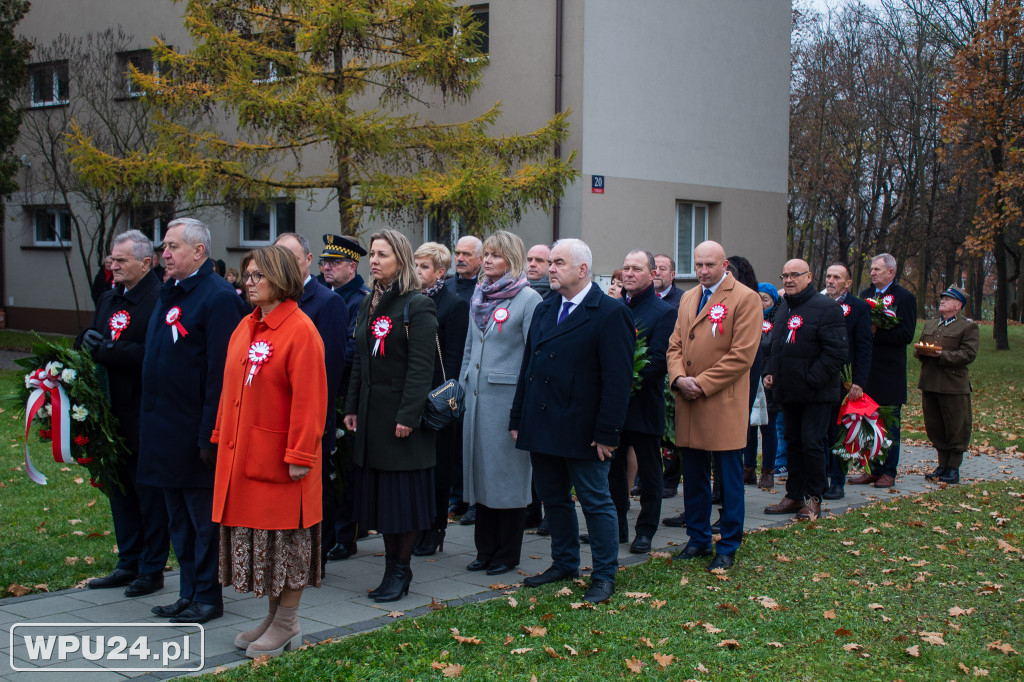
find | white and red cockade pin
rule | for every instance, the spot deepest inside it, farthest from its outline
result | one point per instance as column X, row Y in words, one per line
column 717, row 315
column 766, row 327
column 172, row 319
column 794, row 323
column 888, row 300
column 259, row 353
column 118, row 323
column 500, row 315
column 381, row 328
column 846, row 309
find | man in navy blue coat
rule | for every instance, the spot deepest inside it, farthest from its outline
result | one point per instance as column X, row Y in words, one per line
column 857, row 314
column 654, row 320
column 186, row 345
column 329, row 314
column 887, row 380
column 568, row 412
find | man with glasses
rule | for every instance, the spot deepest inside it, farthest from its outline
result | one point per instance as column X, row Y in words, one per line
column 806, row 353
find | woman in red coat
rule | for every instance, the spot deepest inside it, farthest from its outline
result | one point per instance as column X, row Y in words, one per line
column 267, row 491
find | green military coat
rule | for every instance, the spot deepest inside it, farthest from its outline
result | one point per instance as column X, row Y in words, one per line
column 948, row 373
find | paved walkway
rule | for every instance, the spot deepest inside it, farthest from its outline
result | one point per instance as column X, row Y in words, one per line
column 341, row 607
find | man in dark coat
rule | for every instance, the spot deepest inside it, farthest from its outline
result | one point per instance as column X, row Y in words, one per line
column 117, row 341
column 887, row 380
column 340, row 259
column 329, row 314
column 807, row 352
column 654, row 320
column 537, row 270
column 857, row 314
column 186, row 345
column 665, row 280
column 568, row 412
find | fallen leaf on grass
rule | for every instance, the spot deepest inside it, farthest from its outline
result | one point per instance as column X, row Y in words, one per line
column 657, row 604
column 452, row 670
column 260, row 661
column 782, row 558
column 70, row 560
column 980, row 672
column 634, row 664
column 534, row 630
column 957, row 611
column 42, row 587
column 729, row 644
column 830, row 614
column 646, row 642
column 876, row 607
column 581, row 605
column 90, row 503
column 464, row 640
column 768, row 603
column 1001, row 648
column 512, row 602
column 729, row 607
column 710, row 628
column 818, row 576
column 396, row 614
column 719, row 573
column 564, row 592
column 78, row 532
column 701, row 668
column 1006, row 546
column 852, row 647
column 552, row 653
column 775, row 645
column 636, row 595
column 80, row 480
column 436, row 605
column 89, row 560
column 933, row 638
column 914, row 651
column 572, row 652
column 18, row 590
column 684, row 581
column 74, row 521
column 499, row 586
column 524, row 650
column 843, row 632
column 664, row 660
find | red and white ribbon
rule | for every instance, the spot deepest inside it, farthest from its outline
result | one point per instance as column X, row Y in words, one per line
column 259, row 353
column 118, row 323
column 500, row 315
column 794, row 323
column 846, row 309
column 857, row 440
column 45, row 386
column 381, row 328
column 173, row 320
column 717, row 314
column 766, row 327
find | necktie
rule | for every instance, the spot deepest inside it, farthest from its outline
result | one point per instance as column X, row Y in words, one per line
column 703, row 300
column 565, row 311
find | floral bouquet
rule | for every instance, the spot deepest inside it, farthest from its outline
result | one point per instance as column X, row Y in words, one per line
column 882, row 314
column 861, row 436
column 640, row 361
column 65, row 400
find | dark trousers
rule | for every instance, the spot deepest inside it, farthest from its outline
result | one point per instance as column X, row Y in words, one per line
column 892, row 432
column 196, row 541
column 697, row 497
column 648, row 468
column 555, row 478
column 456, row 491
column 833, row 463
column 339, row 524
column 140, row 522
column 806, row 426
column 499, row 535
column 947, row 421
column 445, row 442
column 769, row 445
column 673, row 471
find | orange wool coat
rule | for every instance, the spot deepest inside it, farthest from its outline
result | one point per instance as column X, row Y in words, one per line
column 721, row 364
column 276, row 420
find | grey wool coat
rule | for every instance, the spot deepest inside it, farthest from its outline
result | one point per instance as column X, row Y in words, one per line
column 494, row 472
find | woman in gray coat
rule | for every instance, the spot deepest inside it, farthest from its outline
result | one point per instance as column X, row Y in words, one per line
column 496, row 475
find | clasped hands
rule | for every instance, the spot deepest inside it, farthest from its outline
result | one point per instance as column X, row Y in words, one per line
column 688, row 388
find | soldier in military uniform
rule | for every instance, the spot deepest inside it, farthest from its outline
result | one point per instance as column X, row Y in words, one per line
column 945, row 383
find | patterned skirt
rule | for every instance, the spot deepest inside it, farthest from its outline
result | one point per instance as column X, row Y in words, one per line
column 269, row 561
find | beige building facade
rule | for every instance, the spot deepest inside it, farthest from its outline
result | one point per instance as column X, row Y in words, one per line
column 679, row 119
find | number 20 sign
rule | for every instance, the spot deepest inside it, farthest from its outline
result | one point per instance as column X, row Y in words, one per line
column 597, row 184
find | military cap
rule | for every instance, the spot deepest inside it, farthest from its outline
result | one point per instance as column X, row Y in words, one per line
column 342, row 247
column 956, row 293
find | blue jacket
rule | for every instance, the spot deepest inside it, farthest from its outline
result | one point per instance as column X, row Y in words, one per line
column 887, row 381
column 673, row 297
column 330, row 317
column 858, row 335
column 352, row 293
column 573, row 386
column 654, row 320
column 181, row 380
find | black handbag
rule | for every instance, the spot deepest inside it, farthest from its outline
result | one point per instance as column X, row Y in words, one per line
column 445, row 403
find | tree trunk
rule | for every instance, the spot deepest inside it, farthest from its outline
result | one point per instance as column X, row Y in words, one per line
column 999, row 312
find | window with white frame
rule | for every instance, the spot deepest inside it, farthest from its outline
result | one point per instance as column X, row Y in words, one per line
column 271, row 71
column 51, row 225
column 49, row 84
column 151, row 220
column 143, row 62
column 261, row 224
column 442, row 229
column 691, row 230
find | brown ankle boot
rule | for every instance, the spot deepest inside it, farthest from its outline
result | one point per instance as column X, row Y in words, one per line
column 766, row 481
column 749, row 475
column 244, row 639
column 810, row 511
column 282, row 635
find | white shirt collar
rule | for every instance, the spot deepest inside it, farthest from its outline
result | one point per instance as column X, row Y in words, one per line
column 714, row 287
column 578, row 298
column 306, row 281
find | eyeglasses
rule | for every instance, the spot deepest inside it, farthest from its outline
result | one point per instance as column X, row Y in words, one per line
column 332, row 262
column 256, row 276
column 792, row 275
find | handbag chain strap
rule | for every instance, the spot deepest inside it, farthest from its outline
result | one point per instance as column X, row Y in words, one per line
column 437, row 341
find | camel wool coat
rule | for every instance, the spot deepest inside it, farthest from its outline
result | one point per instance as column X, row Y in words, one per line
column 276, row 420
column 719, row 420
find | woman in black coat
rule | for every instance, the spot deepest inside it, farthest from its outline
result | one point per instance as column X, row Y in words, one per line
column 432, row 261
column 393, row 459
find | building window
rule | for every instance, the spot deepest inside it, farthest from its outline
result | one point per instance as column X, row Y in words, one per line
column 442, row 229
column 151, row 220
column 270, row 71
column 52, row 226
column 143, row 62
column 49, row 84
column 691, row 230
column 261, row 225
column 482, row 14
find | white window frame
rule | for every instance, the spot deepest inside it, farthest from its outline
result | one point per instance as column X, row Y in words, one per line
column 126, row 59
column 154, row 229
column 477, row 10
column 698, row 234
column 454, row 234
column 55, row 69
column 272, row 75
column 271, row 208
column 63, row 223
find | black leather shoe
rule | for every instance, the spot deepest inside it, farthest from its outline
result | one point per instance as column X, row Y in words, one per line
column 951, row 476
column 171, row 610
column 692, row 551
column 552, row 575
column 723, row 561
column 469, row 518
column 457, row 508
column 477, row 565
column 430, row 543
column 199, row 613
column 678, row 521
column 939, row 471
column 543, row 528
column 641, row 545
column 668, row 492
column 599, row 591
column 341, row 551
column 146, row 583
column 498, row 569
column 119, row 578
column 834, row 492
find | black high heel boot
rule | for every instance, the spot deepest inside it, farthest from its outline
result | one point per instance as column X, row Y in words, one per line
column 430, row 542
column 389, row 567
column 396, row 583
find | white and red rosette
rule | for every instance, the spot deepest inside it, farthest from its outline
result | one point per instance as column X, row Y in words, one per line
column 381, row 328
column 259, row 353
column 766, row 327
column 888, row 300
column 173, row 320
column 793, row 324
column 846, row 309
column 118, row 323
column 717, row 314
column 500, row 315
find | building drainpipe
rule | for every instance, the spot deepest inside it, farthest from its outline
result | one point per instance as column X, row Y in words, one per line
column 555, row 230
